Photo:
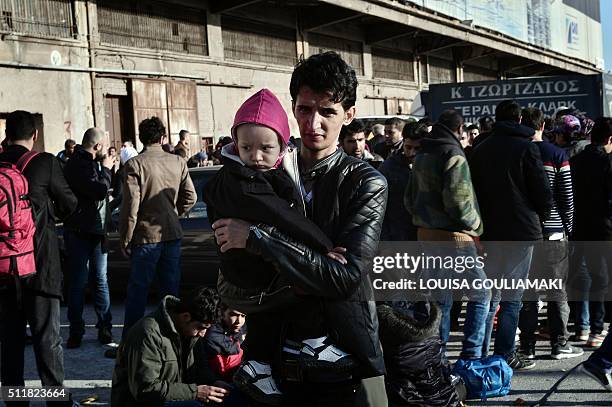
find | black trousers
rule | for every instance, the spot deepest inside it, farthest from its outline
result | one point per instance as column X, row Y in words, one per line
column 551, row 261
column 42, row 312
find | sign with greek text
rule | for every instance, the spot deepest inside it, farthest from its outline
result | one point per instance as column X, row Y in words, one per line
column 474, row 100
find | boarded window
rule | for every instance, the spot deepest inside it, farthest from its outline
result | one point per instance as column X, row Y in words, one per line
column 47, row 18
column 250, row 41
column 350, row 51
column 174, row 102
column 476, row 73
column 154, row 25
column 441, row 70
column 392, row 65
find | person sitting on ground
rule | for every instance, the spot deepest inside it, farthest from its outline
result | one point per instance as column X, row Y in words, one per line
column 416, row 370
column 251, row 186
column 353, row 142
column 156, row 365
column 222, row 343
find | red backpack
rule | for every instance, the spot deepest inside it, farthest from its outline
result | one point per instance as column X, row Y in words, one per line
column 16, row 221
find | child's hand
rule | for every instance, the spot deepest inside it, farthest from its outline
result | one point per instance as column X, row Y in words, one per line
column 336, row 254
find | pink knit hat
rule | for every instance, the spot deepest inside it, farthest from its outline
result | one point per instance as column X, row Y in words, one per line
column 265, row 109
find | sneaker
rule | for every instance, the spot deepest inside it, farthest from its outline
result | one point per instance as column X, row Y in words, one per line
column 566, row 351
column 580, row 336
column 517, row 362
column 595, row 340
column 315, row 353
column 599, row 375
column 111, row 353
column 105, row 336
column 527, row 351
column 74, row 341
column 255, row 380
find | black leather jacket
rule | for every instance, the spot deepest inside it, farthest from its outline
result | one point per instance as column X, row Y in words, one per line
column 349, row 200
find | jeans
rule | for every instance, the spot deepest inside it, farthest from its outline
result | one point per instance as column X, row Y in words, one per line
column 87, row 259
column 42, row 312
column 511, row 262
column 146, row 260
column 550, row 261
column 478, row 300
column 602, row 357
column 578, row 287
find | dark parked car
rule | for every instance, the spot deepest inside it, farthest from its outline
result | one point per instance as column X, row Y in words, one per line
column 199, row 260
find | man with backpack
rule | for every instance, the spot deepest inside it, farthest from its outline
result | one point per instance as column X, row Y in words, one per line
column 34, row 299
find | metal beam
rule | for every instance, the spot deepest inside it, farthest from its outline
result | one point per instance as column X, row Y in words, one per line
column 312, row 21
column 376, row 34
column 444, row 26
column 223, row 6
column 421, row 51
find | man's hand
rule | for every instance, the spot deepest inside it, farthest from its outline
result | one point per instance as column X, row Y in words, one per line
column 209, row 394
column 337, row 254
column 126, row 252
column 108, row 162
column 231, row 233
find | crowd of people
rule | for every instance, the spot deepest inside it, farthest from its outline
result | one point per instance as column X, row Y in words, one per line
column 296, row 231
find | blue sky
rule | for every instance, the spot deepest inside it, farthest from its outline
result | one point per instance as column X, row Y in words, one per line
column 606, row 25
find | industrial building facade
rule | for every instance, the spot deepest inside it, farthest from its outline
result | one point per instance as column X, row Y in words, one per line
column 111, row 63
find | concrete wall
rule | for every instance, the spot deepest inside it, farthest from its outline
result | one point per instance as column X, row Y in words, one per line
column 62, row 97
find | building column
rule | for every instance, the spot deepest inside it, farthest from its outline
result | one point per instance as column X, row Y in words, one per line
column 368, row 68
column 215, row 35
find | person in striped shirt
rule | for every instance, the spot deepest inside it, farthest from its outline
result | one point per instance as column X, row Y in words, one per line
column 551, row 258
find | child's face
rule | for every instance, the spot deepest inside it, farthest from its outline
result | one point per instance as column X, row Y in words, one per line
column 258, row 146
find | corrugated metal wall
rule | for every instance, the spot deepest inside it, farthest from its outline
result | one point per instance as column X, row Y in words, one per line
column 392, row 65
column 153, row 25
column 48, row 18
column 350, row 51
column 251, row 41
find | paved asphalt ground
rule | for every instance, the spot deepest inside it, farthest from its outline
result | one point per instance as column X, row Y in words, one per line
column 88, row 373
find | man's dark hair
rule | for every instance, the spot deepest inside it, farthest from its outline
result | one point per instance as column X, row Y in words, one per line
column 151, row 131
column 451, row 119
column 508, row 110
column 602, row 130
column 20, row 125
column 532, row 117
column 472, row 127
column 354, row 127
column 183, row 134
column 326, row 73
column 486, row 124
column 414, row 131
column 70, row 143
column 202, row 304
column 395, row 122
column 425, row 121
column 225, row 140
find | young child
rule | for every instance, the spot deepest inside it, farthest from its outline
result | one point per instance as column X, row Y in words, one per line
column 252, row 186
